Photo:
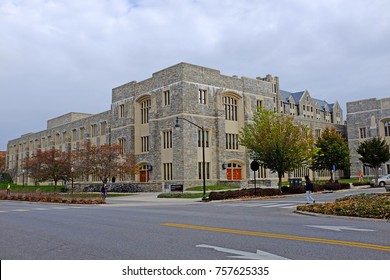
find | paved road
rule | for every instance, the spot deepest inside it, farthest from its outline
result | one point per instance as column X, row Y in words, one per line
column 143, row 227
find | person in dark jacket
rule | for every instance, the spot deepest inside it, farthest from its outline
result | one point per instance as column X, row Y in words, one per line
column 309, row 189
column 104, row 192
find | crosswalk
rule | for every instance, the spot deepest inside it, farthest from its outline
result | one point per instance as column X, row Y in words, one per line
column 273, row 204
column 30, row 209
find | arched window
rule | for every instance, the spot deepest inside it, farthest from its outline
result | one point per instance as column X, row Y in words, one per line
column 233, row 171
column 230, row 106
column 145, row 108
column 387, row 128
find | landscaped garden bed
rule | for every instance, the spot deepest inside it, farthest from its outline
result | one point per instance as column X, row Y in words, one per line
column 363, row 205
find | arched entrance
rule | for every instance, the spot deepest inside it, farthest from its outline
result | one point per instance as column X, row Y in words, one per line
column 234, row 171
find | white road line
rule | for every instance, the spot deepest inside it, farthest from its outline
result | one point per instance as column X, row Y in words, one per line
column 20, row 210
column 275, row 205
column 289, row 207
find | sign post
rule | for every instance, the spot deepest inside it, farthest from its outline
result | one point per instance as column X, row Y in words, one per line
column 254, row 167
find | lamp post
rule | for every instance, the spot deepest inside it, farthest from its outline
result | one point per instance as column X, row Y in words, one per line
column 71, row 174
column 177, row 125
column 23, row 171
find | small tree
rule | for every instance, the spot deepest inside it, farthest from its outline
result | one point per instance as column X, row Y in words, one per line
column 104, row 161
column 47, row 165
column 277, row 142
column 333, row 151
column 374, row 152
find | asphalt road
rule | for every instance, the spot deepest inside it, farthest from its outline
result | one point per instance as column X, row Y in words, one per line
column 149, row 228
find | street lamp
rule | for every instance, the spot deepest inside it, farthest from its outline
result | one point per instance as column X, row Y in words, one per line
column 23, row 171
column 177, row 125
column 71, row 174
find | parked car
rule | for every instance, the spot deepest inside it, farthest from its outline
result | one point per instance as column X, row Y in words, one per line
column 382, row 181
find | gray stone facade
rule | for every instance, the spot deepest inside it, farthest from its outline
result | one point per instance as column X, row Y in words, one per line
column 367, row 119
column 143, row 115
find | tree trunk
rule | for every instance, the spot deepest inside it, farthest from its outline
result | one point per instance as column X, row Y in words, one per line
column 280, row 181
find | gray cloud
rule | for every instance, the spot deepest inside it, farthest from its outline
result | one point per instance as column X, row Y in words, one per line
column 62, row 56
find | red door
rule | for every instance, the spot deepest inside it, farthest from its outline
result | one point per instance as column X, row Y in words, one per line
column 144, row 176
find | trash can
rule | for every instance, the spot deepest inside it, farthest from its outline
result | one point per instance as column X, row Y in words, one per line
column 295, row 182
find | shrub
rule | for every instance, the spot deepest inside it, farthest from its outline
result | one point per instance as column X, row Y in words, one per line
column 362, row 205
column 243, row 193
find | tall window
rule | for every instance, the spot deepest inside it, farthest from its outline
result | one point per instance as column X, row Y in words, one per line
column 167, row 171
column 259, row 105
column 202, row 96
column 231, row 141
column 145, row 108
column 82, row 133
column 262, row 172
column 206, row 138
column 230, row 105
column 145, row 144
column 74, row 135
column 167, row 139
column 103, row 126
column 122, row 144
column 363, row 133
column 207, row 170
column 167, row 97
column 121, row 111
column 93, row 130
column 387, row 128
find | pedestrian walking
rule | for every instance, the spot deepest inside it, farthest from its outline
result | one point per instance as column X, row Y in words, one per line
column 104, row 192
column 360, row 175
column 309, row 189
column 9, row 189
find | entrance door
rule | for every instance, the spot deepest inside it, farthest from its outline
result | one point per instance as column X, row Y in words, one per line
column 233, row 171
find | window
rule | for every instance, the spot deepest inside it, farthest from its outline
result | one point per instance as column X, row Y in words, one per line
column 206, row 138
column 82, row 133
column 122, row 144
column 207, row 170
column 259, row 105
column 103, row 126
column 167, row 139
column 167, row 171
column 231, row 141
column 262, row 172
column 64, row 138
column 202, row 96
column 74, row 135
column 387, row 128
column 317, row 133
column 145, row 108
column 57, row 139
column 362, row 132
column 93, row 130
column 145, row 144
column 167, row 97
column 121, row 111
column 230, row 105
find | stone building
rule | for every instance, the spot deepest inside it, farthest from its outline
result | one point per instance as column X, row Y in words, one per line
column 142, row 120
column 367, row 119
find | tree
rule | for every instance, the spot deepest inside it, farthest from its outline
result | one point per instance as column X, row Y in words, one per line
column 277, row 142
column 333, row 152
column 47, row 165
column 105, row 161
column 374, row 152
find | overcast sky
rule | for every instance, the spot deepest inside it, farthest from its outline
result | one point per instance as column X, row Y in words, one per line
column 67, row 55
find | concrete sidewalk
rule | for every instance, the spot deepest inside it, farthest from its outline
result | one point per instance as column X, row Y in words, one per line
column 143, row 199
